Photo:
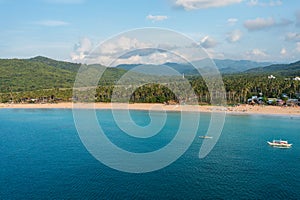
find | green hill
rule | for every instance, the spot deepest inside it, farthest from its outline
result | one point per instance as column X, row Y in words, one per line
column 26, row 75
column 73, row 67
column 43, row 73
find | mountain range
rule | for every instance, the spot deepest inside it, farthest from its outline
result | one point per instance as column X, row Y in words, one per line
column 292, row 69
column 226, row 66
column 42, row 72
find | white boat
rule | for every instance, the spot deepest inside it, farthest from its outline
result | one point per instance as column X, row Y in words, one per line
column 205, row 137
column 280, row 144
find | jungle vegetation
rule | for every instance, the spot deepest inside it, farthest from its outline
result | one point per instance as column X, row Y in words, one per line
column 42, row 79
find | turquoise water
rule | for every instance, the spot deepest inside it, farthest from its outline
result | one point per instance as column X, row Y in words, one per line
column 42, row 157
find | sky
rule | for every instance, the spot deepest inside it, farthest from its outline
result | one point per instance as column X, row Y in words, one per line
column 259, row 30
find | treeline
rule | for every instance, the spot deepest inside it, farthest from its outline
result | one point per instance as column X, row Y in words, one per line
column 42, row 79
column 239, row 88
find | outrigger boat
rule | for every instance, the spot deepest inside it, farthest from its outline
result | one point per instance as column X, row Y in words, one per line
column 205, row 137
column 280, row 144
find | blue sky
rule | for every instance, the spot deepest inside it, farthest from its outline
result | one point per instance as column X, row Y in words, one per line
column 261, row 30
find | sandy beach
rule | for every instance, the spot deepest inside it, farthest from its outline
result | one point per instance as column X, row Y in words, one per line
column 241, row 109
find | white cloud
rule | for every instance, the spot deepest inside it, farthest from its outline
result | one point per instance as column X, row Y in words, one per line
column 202, row 4
column 131, row 50
column 155, row 18
column 264, row 23
column 122, row 44
column 268, row 3
column 53, row 23
column 293, row 37
column 283, row 51
column 81, row 50
column 136, row 59
column 85, row 45
column 232, row 21
column 259, row 23
column 234, row 36
column 108, row 52
column 256, row 54
column 208, row 42
column 154, row 58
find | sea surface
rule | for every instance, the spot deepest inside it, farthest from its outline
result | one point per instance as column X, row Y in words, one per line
column 42, row 157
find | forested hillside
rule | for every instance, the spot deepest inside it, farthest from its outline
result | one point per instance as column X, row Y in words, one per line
column 44, row 79
column 18, row 75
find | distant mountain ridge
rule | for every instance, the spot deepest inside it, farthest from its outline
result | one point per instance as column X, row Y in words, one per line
column 234, row 66
column 225, row 66
column 44, row 73
column 292, row 69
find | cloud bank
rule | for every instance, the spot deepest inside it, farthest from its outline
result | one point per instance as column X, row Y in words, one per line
column 202, row 4
column 53, row 23
column 264, row 23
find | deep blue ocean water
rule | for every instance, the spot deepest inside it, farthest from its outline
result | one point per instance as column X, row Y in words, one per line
column 42, row 157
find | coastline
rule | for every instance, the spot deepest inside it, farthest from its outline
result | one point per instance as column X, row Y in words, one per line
column 241, row 109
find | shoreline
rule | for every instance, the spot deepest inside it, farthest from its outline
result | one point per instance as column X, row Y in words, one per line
column 243, row 109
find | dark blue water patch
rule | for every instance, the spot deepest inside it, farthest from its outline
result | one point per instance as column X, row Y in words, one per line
column 42, row 157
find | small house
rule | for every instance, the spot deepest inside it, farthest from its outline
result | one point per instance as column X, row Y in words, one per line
column 271, row 77
column 296, row 78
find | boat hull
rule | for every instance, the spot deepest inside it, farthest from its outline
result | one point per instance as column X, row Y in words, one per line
column 280, row 145
column 205, row 137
